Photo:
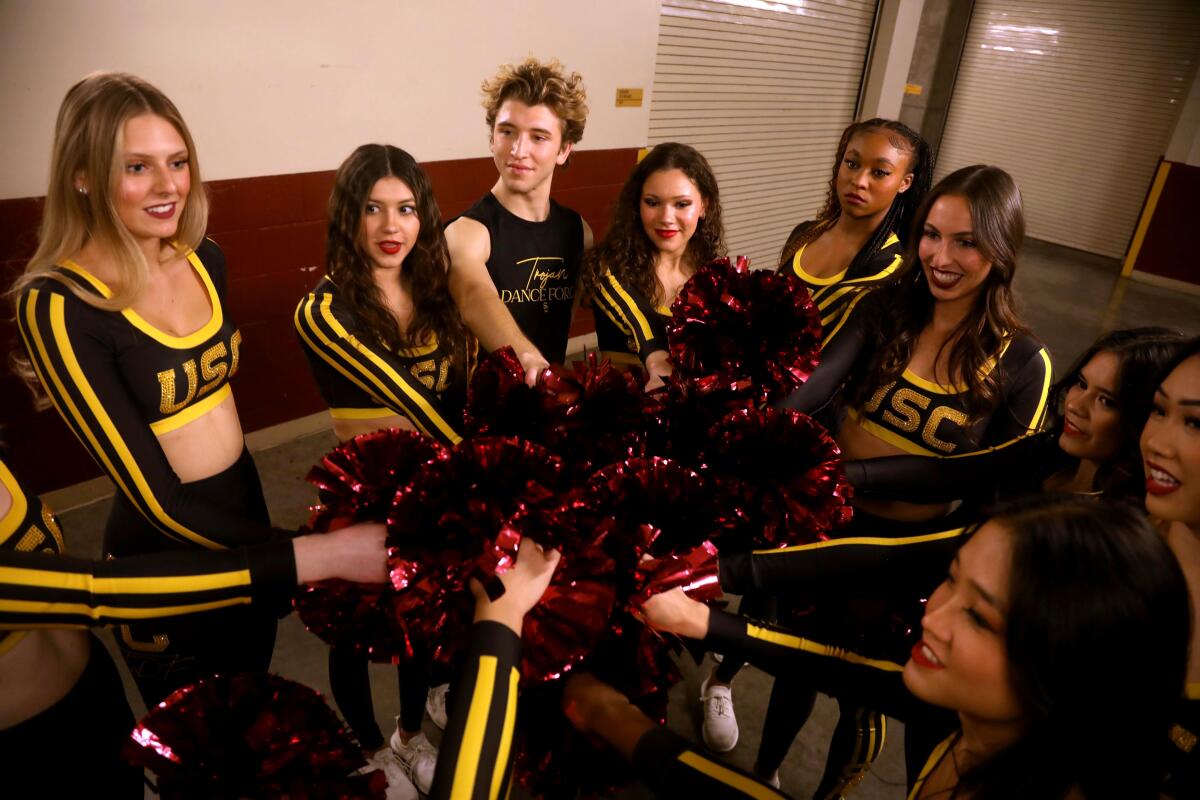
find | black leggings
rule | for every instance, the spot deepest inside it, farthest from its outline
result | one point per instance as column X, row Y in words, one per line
column 41, row 760
column 163, row 655
column 350, row 684
column 856, row 742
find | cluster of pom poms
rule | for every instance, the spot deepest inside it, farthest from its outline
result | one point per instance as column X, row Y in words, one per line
column 638, row 491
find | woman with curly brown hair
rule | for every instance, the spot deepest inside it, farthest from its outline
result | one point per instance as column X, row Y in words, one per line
column 666, row 225
column 387, row 348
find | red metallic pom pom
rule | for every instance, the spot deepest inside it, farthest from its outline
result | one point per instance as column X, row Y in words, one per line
column 253, row 735
column 781, row 481
column 448, row 526
column 358, row 481
column 589, row 413
column 743, row 332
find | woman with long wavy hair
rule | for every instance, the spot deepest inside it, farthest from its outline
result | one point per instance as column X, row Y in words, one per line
column 388, row 349
column 665, row 226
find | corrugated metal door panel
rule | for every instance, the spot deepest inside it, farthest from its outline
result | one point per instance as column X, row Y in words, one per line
column 1077, row 100
column 764, row 91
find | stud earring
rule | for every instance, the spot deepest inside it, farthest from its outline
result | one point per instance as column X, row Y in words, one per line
column 82, row 190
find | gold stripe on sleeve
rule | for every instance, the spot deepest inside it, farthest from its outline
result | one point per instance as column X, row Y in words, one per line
column 471, row 745
column 725, row 775
column 796, row 643
column 632, row 307
column 506, row 735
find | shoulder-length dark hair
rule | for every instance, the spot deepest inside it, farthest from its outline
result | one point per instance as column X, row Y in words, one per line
column 1097, row 634
column 998, row 225
column 898, row 219
column 627, row 252
column 1141, row 354
column 425, row 270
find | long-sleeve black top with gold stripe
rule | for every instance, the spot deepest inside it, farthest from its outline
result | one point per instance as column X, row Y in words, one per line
column 360, row 379
column 474, row 762
column 836, row 294
column 872, row 682
column 119, row 383
column 42, row 590
column 1013, row 468
column 28, row 526
column 878, row 565
column 627, row 322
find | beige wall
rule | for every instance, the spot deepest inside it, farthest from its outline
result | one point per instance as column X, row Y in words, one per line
column 1185, row 141
column 273, row 87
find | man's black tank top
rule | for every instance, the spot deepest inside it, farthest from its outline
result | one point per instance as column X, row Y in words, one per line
column 535, row 266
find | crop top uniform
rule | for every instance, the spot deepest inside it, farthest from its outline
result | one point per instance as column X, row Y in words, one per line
column 119, row 383
column 360, row 379
column 921, row 417
column 535, row 268
column 629, row 327
column 836, row 295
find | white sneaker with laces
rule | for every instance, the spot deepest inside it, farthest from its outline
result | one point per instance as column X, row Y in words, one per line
column 720, row 729
column 418, row 757
column 399, row 787
column 435, row 704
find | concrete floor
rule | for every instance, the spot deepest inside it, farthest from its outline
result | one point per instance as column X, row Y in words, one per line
column 1067, row 298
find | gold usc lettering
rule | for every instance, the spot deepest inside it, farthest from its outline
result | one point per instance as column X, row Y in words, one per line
column 929, row 433
column 432, row 374
column 909, row 405
column 213, row 369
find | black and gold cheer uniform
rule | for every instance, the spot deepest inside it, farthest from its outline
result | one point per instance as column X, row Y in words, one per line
column 475, row 759
column 119, row 383
column 921, row 417
column 41, row 588
column 362, row 380
column 835, row 295
column 629, row 327
column 535, row 268
column 27, row 527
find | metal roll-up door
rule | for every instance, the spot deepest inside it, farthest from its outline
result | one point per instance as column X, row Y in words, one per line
column 1076, row 99
column 764, row 91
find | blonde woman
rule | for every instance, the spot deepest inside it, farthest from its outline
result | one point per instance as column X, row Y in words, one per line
column 121, row 311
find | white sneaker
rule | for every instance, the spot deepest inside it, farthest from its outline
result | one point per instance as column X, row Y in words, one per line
column 720, row 728
column 418, row 757
column 435, row 704
column 399, row 787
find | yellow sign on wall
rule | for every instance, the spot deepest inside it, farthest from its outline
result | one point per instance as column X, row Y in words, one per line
column 912, row 88
column 629, row 98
